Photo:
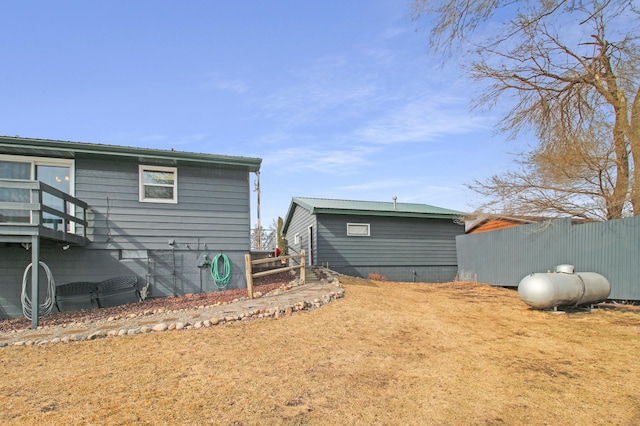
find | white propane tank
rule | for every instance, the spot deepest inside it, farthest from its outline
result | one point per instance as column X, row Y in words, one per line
column 563, row 288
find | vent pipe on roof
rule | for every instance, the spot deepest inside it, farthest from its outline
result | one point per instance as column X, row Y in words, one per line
column 394, row 201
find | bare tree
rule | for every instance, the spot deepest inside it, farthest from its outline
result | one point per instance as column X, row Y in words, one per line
column 281, row 240
column 570, row 70
column 574, row 176
column 266, row 236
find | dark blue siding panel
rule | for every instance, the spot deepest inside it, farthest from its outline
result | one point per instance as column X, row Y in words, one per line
column 392, row 242
column 300, row 224
column 401, row 249
column 213, row 208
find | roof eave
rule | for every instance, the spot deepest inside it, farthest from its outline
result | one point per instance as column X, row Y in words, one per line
column 72, row 149
column 385, row 213
column 289, row 216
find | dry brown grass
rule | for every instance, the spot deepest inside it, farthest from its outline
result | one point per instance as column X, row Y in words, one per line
column 386, row 354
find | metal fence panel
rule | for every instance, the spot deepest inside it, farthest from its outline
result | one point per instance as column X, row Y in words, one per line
column 504, row 257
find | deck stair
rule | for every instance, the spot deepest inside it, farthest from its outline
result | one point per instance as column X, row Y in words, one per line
column 311, row 276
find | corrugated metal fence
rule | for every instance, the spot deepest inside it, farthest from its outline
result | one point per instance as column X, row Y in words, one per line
column 504, row 257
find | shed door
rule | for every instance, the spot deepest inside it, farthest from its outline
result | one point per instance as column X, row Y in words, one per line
column 310, row 248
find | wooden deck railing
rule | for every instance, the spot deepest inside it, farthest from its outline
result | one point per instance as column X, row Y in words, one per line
column 63, row 223
column 250, row 275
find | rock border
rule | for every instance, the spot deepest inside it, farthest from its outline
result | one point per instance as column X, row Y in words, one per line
column 96, row 330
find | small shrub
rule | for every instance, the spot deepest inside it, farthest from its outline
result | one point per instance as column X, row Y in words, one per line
column 377, row 276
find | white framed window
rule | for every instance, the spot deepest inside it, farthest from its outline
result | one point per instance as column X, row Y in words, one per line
column 358, row 229
column 158, row 184
column 55, row 172
column 296, row 238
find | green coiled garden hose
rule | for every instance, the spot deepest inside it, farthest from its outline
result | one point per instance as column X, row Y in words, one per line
column 221, row 280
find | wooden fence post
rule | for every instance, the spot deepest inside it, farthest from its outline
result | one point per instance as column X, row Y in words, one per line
column 249, row 273
column 303, row 276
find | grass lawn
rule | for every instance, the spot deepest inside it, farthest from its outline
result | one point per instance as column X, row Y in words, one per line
column 388, row 353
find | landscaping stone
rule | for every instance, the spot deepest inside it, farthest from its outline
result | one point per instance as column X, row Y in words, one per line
column 96, row 335
column 160, row 327
column 275, row 304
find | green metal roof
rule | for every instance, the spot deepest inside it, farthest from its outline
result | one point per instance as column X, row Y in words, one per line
column 64, row 149
column 369, row 208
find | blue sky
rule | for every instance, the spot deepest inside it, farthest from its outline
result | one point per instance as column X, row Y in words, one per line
column 341, row 99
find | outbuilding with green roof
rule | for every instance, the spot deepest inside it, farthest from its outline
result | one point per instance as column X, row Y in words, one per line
column 399, row 241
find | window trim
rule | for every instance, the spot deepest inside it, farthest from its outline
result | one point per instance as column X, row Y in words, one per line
column 368, row 234
column 142, row 168
column 34, row 162
column 45, row 161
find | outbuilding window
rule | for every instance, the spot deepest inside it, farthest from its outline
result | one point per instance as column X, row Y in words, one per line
column 358, row 229
column 158, row 184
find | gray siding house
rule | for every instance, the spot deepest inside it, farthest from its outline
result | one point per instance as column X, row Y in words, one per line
column 91, row 212
column 401, row 241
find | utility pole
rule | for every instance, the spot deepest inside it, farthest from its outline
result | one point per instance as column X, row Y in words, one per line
column 257, row 189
